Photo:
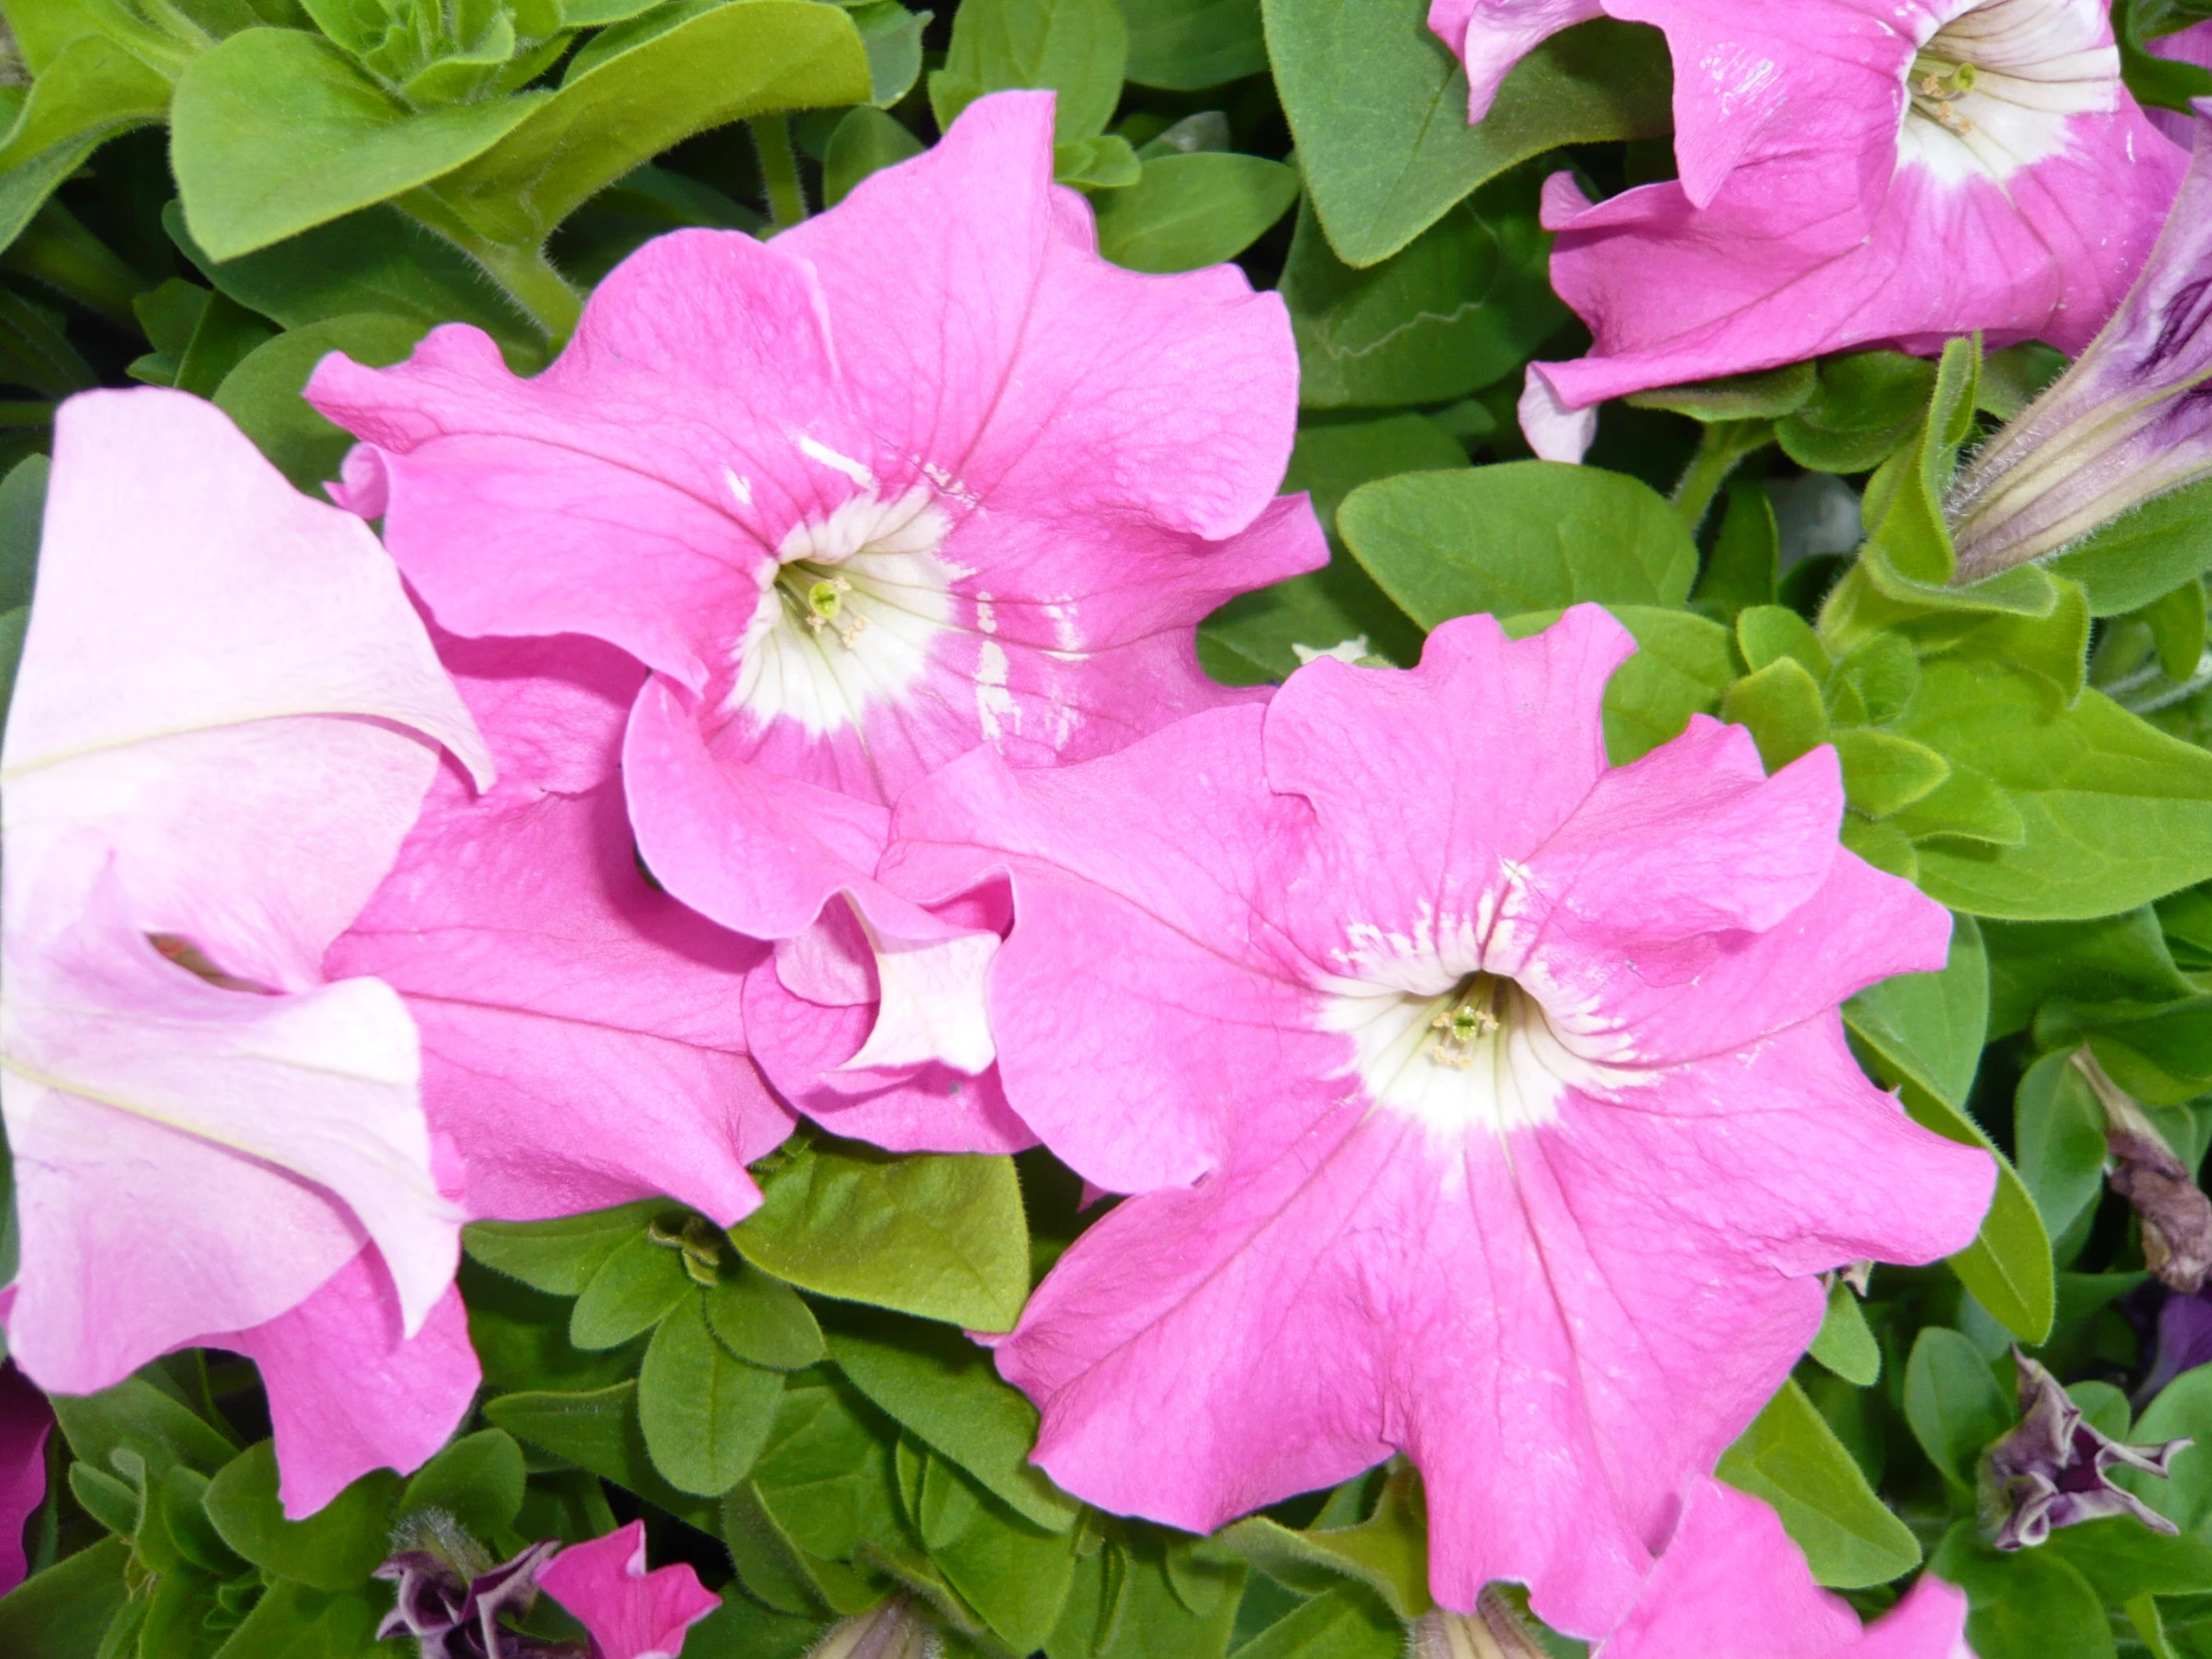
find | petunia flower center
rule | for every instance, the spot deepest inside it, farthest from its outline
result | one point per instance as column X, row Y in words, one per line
column 1480, row 1055
column 847, row 612
column 1993, row 88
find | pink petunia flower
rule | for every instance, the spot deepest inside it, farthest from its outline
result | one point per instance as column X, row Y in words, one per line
column 1486, row 1104
column 630, row 1614
column 224, row 720
column 922, row 474
column 1732, row 1585
column 25, row 1422
column 1852, row 173
column 2192, row 45
column 583, row 1036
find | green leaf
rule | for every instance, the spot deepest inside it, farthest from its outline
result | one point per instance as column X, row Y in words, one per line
column 335, row 1549
column 274, row 131
column 705, row 1413
column 1461, row 307
column 1766, row 395
column 1955, row 1406
column 2029, row 1604
column 1187, row 212
column 1865, row 405
column 479, row 1481
column 1077, row 48
column 2144, row 553
column 865, row 140
column 1103, row 162
column 633, row 1289
column 2058, row 1127
column 943, row 1387
column 1844, row 1344
column 60, row 1613
column 225, row 335
column 263, row 392
column 2122, row 1559
column 941, row 1237
column 1790, row 1457
column 1379, row 108
column 184, row 1514
column 1741, row 570
column 762, row 1321
column 598, row 1431
column 1884, row 773
column 1347, row 1622
column 2182, row 1409
column 738, row 60
column 2116, row 812
column 375, row 262
column 1522, row 536
column 891, row 36
column 564, row 1255
column 1765, row 633
column 291, row 1621
column 1683, row 665
column 522, row 1338
column 135, row 1419
column 92, row 91
column 1016, row 1574
column 1188, row 45
column 1931, row 1026
column 2176, row 621
column 1388, row 1553
column 2115, row 958
column 22, row 512
column 1277, row 628
column 827, row 1476
column 1781, row 706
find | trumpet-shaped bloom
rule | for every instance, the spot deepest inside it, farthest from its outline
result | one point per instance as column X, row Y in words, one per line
column 25, row 1422
column 1732, row 1585
column 1852, row 173
column 1485, row 1104
column 583, row 1036
column 922, row 474
column 630, row 1614
column 2130, row 419
column 224, row 720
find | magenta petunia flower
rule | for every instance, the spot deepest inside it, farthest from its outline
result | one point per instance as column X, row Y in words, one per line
column 922, row 474
column 25, row 1422
column 1852, row 173
column 224, row 720
column 1732, row 1585
column 1486, row 1104
column 630, row 1614
column 583, row 1036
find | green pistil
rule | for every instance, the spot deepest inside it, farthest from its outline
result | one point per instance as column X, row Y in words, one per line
column 818, row 601
column 1470, row 1015
column 1934, row 83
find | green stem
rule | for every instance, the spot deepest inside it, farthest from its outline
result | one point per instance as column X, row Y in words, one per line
column 787, row 197
column 57, row 250
column 532, row 283
column 1722, row 445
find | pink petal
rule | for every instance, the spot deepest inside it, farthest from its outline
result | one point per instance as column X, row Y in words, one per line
column 2192, row 45
column 25, row 1422
column 1554, row 431
column 1491, row 36
column 350, row 1391
column 583, row 1036
column 191, row 1158
column 1732, row 1585
column 630, row 1614
column 198, row 625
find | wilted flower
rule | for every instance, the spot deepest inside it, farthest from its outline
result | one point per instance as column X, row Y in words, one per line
column 225, row 722
column 2131, row 419
column 1852, row 173
column 452, row 1594
column 1483, row 1102
column 922, row 474
column 2051, row 1469
column 2176, row 1216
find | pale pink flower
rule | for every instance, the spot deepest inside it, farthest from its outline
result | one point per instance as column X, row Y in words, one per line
column 1732, row 1585
column 923, row 472
column 583, row 1036
column 225, row 722
column 1486, row 1104
column 25, row 1422
column 630, row 1614
column 1852, row 173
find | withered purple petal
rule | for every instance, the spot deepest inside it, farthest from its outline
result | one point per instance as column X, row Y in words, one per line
column 2050, row 1471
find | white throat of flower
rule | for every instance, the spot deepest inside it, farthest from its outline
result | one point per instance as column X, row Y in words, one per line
column 1478, row 1053
column 848, row 614
column 1991, row 90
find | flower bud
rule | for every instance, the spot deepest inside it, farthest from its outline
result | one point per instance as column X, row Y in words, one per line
column 893, row 1629
column 1492, row 1631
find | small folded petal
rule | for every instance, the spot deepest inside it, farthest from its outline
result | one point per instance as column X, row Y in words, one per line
column 1731, row 1586
column 25, row 1422
column 450, row 1594
column 630, row 1614
column 2052, row 1469
column 1554, row 431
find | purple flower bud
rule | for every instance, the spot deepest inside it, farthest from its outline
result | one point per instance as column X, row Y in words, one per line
column 2131, row 419
column 1492, row 1631
column 452, row 1594
column 2050, row 1471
